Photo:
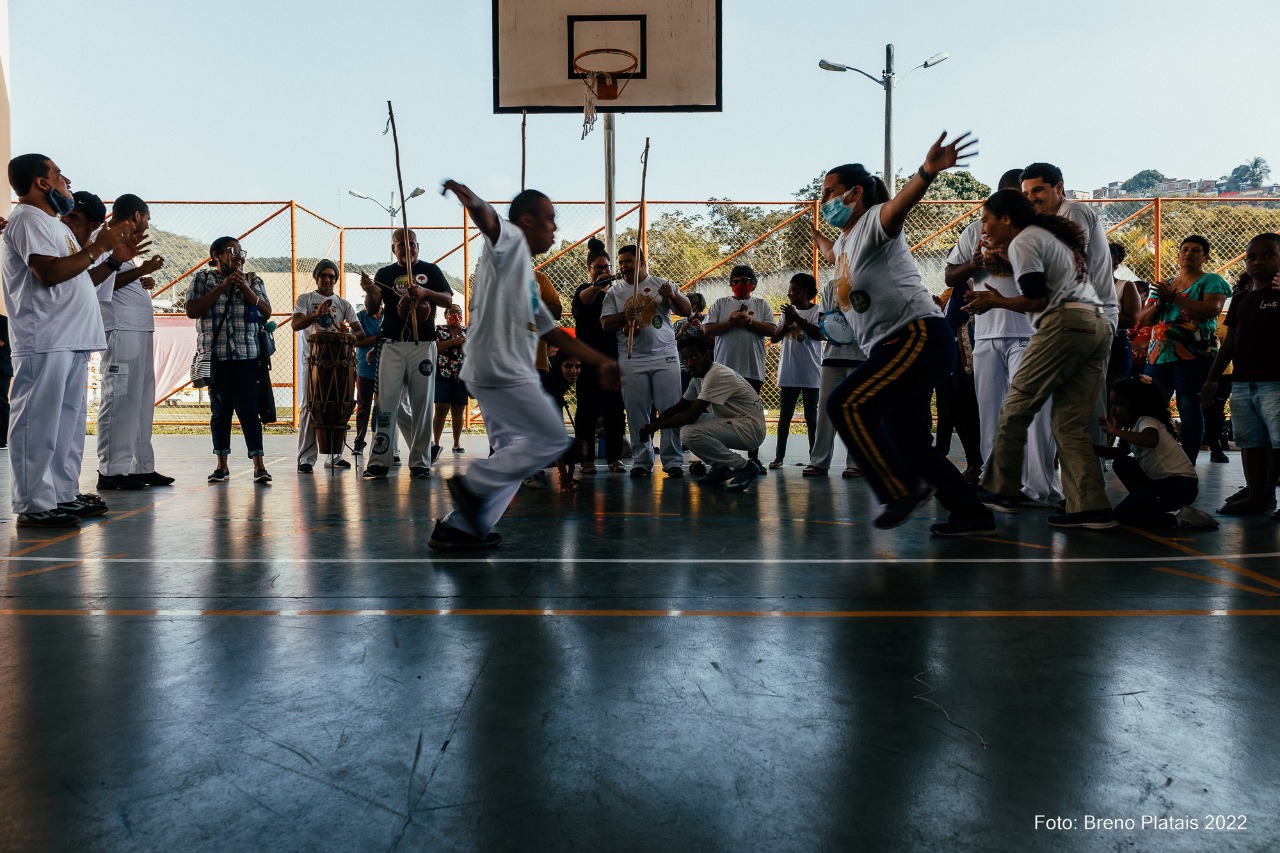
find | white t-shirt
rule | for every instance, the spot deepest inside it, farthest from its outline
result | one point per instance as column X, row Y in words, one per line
column 740, row 350
column 1036, row 250
column 656, row 341
column 507, row 317
column 800, row 362
column 728, row 393
column 128, row 308
column 62, row 318
column 830, row 351
column 1097, row 257
column 342, row 311
column 882, row 280
column 997, row 323
column 1167, row 458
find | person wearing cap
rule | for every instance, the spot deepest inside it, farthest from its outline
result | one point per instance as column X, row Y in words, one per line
column 54, row 326
column 126, row 404
column 319, row 310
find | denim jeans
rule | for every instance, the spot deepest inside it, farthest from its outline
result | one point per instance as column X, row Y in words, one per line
column 235, row 388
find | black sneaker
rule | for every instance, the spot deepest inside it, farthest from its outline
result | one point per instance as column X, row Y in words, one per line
column 47, row 518
column 469, row 504
column 1218, row 456
column 419, row 473
column 375, row 472
column 444, row 537
column 119, row 483
column 151, row 478
column 639, row 473
column 976, row 525
column 435, row 453
column 396, row 461
column 1004, row 503
column 761, row 471
column 1094, row 519
column 219, row 475
column 306, row 468
column 900, row 510
column 262, row 477
column 715, row 477
column 80, row 509
column 675, row 472
column 697, row 468
column 743, row 477
column 360, row 446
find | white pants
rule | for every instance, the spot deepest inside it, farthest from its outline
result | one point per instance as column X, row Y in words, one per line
column 647, row 385
column 128, row 405
column 526, row 432
column 995, row 361
column 404, row 367
column 713, row 440
column 308, row 447
column 824, row 435
column 46, row 430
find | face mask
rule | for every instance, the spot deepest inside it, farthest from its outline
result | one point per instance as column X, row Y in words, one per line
column 742, row 291
column 62, row 205
column 836, row 212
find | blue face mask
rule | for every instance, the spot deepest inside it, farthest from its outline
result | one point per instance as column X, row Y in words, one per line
column 836, row 212
column 61, row 204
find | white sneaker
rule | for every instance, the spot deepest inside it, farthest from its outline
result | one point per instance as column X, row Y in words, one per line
column 1191, row 518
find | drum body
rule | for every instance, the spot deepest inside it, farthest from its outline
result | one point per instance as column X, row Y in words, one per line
column 331, row 388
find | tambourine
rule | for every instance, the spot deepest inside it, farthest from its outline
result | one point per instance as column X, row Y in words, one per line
column 835, row 327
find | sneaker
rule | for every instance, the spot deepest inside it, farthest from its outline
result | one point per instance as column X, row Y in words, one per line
column 675, row 472
column 375, row 472
column 716, row 476
column 151, row 478
column 119, row 483
column 1218, row 456
column 639, row 473
column 444, row 537
column 975, row 525
column 1243, row 494
column 360, row 446
column 305, row 468
column 396, row 461
column 80, row 509
column 1094, row 519
column 1004, row 503
column 469, row 504
column 743, row 477
column 459, row 450
column 219, row 475
column 776, row 464
column 418, row 472
column 537, row 481
column 262, row 477
column 761, row 471
column 337, row 463
column 1190, row 518
column 435, row 453
column 47, row 518
column 901, row 509
column 698, row 468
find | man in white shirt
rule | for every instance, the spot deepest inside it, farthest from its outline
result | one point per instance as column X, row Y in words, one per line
column 319, row 310
column 54, row 326
column 734, row 418
column 524, row 425
column 126, row 460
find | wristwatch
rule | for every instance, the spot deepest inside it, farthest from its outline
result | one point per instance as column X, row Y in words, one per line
column 113, row 264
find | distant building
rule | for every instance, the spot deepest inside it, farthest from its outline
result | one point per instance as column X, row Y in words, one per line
column 1182, row 187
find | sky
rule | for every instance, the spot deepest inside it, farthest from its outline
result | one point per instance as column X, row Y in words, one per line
column 272, row 100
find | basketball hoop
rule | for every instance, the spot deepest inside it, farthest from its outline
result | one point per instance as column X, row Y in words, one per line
column 602, row 83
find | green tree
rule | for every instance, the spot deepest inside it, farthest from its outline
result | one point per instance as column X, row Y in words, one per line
column 1249, row 175
column 1145, row 183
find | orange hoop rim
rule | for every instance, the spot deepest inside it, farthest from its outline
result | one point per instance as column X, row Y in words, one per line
column 613, row 51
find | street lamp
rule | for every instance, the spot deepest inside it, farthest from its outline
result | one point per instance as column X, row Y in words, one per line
column 886, row 81
column 394, row 209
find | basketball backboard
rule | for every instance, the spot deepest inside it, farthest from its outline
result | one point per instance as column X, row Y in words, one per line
column 676, row 44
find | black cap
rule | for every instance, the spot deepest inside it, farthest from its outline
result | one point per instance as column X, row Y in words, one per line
column 323, row 265
column 90, row 205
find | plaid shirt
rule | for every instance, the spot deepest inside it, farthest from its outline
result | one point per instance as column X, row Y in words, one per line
column 237, row 337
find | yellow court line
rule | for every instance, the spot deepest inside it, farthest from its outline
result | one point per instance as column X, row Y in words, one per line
column 1231, row 567
column 63, row 566
column 713, row 614
column 1208, row 579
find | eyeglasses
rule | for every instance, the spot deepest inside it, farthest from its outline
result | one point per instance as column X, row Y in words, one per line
column 238, row 253
column 742, row 281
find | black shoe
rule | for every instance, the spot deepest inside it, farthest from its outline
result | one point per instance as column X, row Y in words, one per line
column 262, row 477
column 80, row 509
column 375, row 472
column 639, row 473
column 977, row 525
column 1218, row 456
column 900, row 510
column 715, row 477
column 47, row 518
column 360, row 446
column 675, row 472
column 435, row 453
column 219, row 475
column 396, row 461
column 337, row 463
column 469, row 504
column 1096, row 519
column 305, row 468
column 444, row 537
column 1003, row 503
column 419, row 473
column 761, row 470
column 119, row 483
column 743, row 477
column 153, row 479
column 697, row 468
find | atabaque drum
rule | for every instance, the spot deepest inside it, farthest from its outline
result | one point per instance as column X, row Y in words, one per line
column 331, row 387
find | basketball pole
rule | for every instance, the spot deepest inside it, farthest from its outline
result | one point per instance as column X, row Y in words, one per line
column 609, row 174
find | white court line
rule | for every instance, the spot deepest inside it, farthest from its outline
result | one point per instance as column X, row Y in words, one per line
column 622, row 561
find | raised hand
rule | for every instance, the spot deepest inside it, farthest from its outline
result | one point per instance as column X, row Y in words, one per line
column 366, row 282
column 461, row 191
column 943, row 155
column 151, row 264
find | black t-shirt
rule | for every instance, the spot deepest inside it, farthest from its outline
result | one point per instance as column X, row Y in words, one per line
column 586, row 321
column 1255, row 317
column 394, row 327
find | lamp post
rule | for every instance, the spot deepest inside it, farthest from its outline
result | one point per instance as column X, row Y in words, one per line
column 393, row 210
column 887, row 80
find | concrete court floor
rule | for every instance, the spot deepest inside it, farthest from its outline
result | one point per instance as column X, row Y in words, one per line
column 641, row 666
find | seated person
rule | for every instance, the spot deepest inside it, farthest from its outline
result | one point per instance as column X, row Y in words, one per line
column 735, row 421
